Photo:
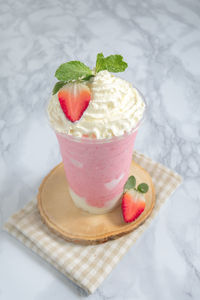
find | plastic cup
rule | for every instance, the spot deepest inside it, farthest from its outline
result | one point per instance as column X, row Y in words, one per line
column 97, row 169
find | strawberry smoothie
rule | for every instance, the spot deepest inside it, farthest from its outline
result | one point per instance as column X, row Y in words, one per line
column 96, row 170
column 95, row 116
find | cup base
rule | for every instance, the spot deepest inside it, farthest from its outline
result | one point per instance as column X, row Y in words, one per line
column 80, row 202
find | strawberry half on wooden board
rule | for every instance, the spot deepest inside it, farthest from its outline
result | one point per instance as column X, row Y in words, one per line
column 74, row 98
column 133, row 200
column 133, row 204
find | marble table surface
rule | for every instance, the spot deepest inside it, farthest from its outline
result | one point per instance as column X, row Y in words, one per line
column 161, row 42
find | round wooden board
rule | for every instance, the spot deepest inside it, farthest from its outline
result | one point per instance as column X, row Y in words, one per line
column 61, row 215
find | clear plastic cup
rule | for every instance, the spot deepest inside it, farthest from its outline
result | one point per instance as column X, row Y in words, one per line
column 97, row 169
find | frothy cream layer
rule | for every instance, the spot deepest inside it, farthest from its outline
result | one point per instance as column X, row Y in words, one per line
column 115, row 108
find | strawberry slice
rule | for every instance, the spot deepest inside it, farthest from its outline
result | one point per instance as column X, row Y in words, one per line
column 133, row 204
column 74, row 98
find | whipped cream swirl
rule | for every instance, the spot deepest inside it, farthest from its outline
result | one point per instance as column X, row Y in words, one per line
column 115, row 108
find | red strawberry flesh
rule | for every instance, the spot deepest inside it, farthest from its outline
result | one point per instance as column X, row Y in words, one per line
column 74, row 99
column 132, row 206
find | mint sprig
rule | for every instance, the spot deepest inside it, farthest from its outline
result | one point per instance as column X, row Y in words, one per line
column 131, row 183
column 72, row 70
column 77, row 71
column 143, row 188
column 112, row 63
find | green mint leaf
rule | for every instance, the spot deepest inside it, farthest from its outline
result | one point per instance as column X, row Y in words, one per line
column 112, row 63
column 58, row 86
column 99, row 62
column 130, row 183
column 143, row 188
column 72, row 70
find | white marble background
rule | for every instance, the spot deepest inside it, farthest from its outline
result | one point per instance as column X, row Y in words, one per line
column 161, row 42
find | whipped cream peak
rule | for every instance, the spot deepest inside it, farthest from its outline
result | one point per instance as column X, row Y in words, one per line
column 115, row 108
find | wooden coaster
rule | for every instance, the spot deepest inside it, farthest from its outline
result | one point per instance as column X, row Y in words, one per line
column 60, row 214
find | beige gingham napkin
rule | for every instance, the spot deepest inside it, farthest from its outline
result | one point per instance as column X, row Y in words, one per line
column 88, row 266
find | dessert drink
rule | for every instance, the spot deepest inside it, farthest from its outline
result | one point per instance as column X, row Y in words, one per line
column 96, row 170
column 96, row 121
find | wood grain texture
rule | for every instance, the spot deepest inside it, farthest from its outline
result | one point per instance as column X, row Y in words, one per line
column 60, row 214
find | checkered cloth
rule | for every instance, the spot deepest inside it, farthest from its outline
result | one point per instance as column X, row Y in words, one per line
column 88, row 266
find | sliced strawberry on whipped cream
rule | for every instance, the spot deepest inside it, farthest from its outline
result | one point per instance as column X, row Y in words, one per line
column 133, row 204
column 74, row 98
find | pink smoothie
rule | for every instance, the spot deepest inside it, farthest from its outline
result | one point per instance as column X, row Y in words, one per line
column 96, row 170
